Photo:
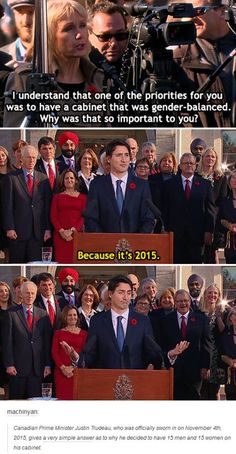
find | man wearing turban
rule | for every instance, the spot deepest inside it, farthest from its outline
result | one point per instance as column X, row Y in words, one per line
column 68, row 277
column 68, row 142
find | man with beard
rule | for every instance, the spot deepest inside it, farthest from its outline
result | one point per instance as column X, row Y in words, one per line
column 68, row 142
column 197, row 148
column 23, row 14
column 195, row 285
column 68, row 277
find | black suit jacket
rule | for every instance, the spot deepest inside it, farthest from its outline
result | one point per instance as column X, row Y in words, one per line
column 22, row 213
column 101, row 349
column 57, row 320
column 39, row 166
column 64, row 302
column 188, row 365
column 102, row 214
column 27, row 351
column 61, row 165
column 194, row 216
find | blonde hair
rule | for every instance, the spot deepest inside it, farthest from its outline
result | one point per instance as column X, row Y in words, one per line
column 56, row 11
column 217, row 168
column 205, row 292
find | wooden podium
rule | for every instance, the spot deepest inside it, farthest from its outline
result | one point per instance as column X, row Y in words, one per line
column 122, row 248
column 123, row 384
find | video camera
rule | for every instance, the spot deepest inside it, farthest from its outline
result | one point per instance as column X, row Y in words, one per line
column 150, row 28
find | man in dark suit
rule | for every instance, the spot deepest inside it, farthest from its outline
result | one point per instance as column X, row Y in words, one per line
column 26, row 345
column 68, row 142
column 189, row 212
column 68, row 277
column 26, row 197
column 47, row 164
column 119, row 202
column 119, row 338
column 194, row 363
column 47, row 301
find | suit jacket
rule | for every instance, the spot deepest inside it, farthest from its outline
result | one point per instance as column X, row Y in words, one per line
column 102, row 214
column 25, row 214
column 188, row 365
column 27, row 351
column 61, row 165
column 101, row 349
column 39, row 166
column 57, row 320
column 194, row 216
column 64, row 302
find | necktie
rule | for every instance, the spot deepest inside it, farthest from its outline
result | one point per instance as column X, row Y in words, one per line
column 119, row 195
column 187, row 190
column 120, row 333
column 195, row 305
column 51, row 176
column 51, row 312
column 30, row 184
column 70, row 164
column 29, row 319
column 70, row 300
column 183, row 327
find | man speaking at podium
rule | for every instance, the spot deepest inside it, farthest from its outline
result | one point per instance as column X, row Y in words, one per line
column 121, row 338
column 119, row 202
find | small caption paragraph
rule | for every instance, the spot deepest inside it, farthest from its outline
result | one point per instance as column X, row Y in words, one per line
column 117, row 109
column 40, row 437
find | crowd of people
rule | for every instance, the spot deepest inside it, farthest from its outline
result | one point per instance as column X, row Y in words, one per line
column 115, row 192
column 118, row 324
column 90, row 47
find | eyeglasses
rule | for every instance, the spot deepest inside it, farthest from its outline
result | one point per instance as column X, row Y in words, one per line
column 188, row 163
column 143, row 167
column 201, row 10
column 119, row 36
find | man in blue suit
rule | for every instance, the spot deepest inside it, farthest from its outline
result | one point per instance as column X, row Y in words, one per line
column 119, row 202
column 119, row 338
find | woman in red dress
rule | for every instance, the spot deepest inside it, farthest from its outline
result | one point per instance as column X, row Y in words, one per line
column 74, row 336
column 66, row 215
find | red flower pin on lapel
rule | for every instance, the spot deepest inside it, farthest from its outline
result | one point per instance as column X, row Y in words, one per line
column 37, row 182
column 133, row 321
column 192, row 319
column 132, row 186
column 197, row 183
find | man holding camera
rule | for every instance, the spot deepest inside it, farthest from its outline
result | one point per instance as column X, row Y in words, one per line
column 213, row 44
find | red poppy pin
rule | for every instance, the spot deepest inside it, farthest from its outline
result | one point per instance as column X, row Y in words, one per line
column 216, row 177
column 132, row 186
column 92, row 89
column 37, row 182
column 192, row 319
column 133, row 321
column 197, row 183
column 36, row 319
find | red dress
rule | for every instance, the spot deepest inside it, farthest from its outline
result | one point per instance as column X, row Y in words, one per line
column 66, row 212
column 64, row 385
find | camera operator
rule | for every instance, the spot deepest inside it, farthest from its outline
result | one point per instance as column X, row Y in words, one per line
column 108, row 33
column 214, row 43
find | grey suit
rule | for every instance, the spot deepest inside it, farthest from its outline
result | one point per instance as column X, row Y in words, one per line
column 28, row 216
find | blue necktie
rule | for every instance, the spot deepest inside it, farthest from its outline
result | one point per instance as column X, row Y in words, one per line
column 120, row 333
column 119, row 196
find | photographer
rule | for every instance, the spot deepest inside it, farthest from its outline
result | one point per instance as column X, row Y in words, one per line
column 214, row 43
